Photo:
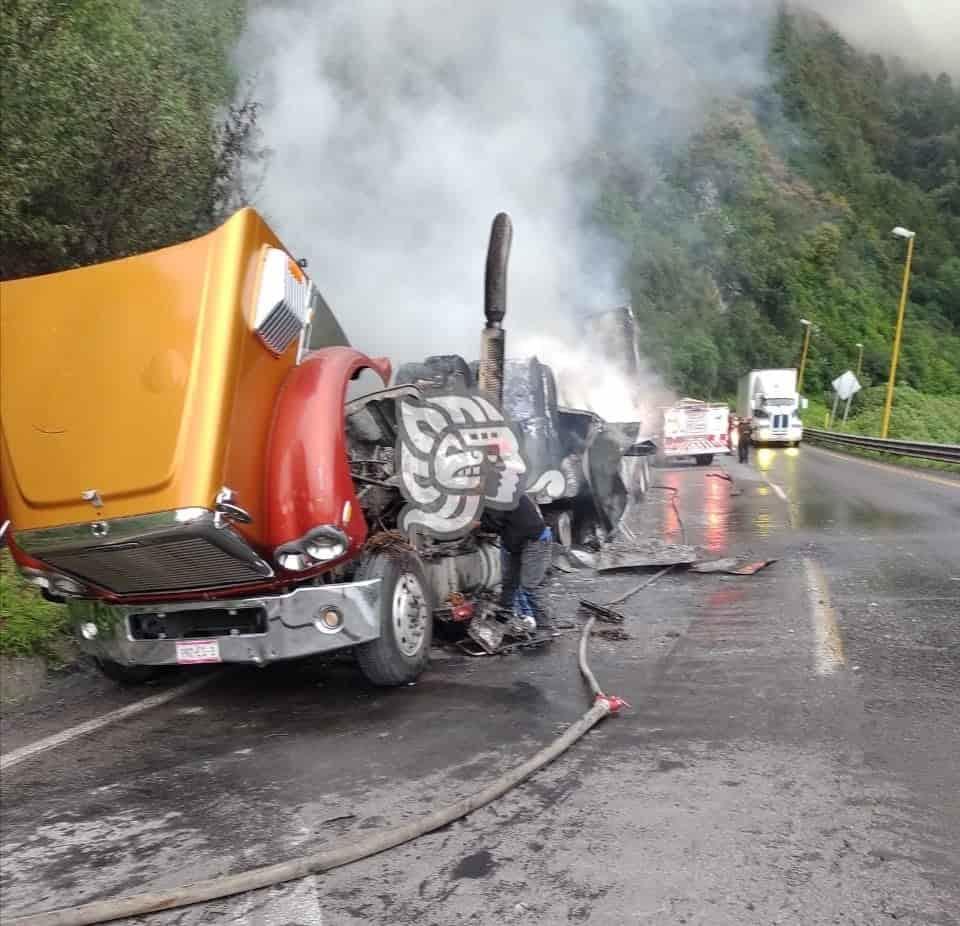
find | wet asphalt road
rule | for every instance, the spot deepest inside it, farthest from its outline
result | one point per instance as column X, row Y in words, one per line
column 792, row 756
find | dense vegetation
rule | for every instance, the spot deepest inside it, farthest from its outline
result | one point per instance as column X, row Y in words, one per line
column 118, row 133
column 29, row 626
column 781, row 209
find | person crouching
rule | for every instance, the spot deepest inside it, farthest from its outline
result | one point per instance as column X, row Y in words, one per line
column 525, row 551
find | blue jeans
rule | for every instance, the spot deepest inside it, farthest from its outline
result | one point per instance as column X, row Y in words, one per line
column 522, row 578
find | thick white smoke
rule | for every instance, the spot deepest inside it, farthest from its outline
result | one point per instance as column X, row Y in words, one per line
column 398, row 128
column 925, row 34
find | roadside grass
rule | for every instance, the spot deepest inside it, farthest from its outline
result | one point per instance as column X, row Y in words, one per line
column 29, row 626
column 915, row 416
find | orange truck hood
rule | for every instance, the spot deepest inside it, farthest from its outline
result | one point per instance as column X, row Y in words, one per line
column 120, row 379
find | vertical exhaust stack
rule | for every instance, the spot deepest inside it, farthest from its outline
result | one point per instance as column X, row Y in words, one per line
column 493, row 340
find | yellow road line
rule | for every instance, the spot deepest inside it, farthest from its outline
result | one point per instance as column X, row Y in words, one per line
column 887, row 467
column 828, row 655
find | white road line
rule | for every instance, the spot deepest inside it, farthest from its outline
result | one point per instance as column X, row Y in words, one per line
column 779, row 492
column 828, row 655
column 9, row 759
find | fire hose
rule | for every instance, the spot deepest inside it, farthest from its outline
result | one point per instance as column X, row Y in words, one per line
column 103, row 911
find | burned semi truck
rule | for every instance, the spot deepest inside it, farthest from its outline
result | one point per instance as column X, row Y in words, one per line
column 180, row 463
column 580, row 468
column 583, row 471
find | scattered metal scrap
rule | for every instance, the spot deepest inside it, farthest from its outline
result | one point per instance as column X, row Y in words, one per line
column 583, row 558
column 602, row 612
column 714, row 565
column 748, row 569
column 653, row 552
column 731, row 566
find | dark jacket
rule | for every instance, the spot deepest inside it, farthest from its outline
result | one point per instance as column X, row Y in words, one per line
column 516, row 527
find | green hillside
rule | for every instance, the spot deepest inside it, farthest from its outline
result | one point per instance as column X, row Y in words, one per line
column 781, row 209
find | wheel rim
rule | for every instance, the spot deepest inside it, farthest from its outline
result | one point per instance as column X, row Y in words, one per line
column 410, row 614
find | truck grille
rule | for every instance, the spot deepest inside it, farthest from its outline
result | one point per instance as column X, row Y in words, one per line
column 198, row 624
column 171, row 564
column 280, row 328
column 283, row 304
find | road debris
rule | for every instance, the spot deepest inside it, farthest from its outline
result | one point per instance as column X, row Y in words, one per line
column 582, row 558
column 602, row 612
column 611, row 633
column 748, row 569
column 488, row 632
column 731, row 566
column 653, row 552
column 715, row 565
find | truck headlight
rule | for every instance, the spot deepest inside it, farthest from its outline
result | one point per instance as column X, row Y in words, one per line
column 321, row 545
column 294, row 562
column 324, row 549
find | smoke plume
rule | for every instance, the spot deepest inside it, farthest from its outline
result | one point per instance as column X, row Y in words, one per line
column 398, row 129
column 925, row 34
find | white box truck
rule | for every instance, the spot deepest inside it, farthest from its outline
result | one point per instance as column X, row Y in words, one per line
column 770, row 398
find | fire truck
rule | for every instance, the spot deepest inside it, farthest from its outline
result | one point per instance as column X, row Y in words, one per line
column 693, row 428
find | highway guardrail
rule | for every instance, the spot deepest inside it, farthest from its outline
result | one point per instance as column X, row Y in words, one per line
column 920, row 450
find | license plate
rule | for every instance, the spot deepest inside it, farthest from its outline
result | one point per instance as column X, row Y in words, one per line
column 191, row 652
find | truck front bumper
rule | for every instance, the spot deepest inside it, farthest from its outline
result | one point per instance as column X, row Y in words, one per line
column 287, row 626
column 766, row 435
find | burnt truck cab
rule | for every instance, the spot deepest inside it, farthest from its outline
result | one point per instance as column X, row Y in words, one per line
column 175, row 463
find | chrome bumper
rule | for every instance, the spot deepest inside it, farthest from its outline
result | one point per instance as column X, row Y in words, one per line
column 778, row 436
column 290, row 632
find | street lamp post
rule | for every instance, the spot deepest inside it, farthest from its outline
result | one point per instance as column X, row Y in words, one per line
column 859, row 359
column 803, row 355
column 895, row 354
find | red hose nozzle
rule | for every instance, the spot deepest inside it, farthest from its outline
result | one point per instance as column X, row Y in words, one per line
column 614, row 704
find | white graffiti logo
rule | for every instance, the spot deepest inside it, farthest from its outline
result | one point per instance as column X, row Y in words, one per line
column 457, row 454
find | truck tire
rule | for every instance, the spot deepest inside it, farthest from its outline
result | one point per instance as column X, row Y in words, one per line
column 561, row 524
column 402, row 650
column 704, row 459
column 129, row 676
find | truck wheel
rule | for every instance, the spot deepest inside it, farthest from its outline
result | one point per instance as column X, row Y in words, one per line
column 129, row 676
column 402, row 650
column 561, row 524
column 704, row 459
